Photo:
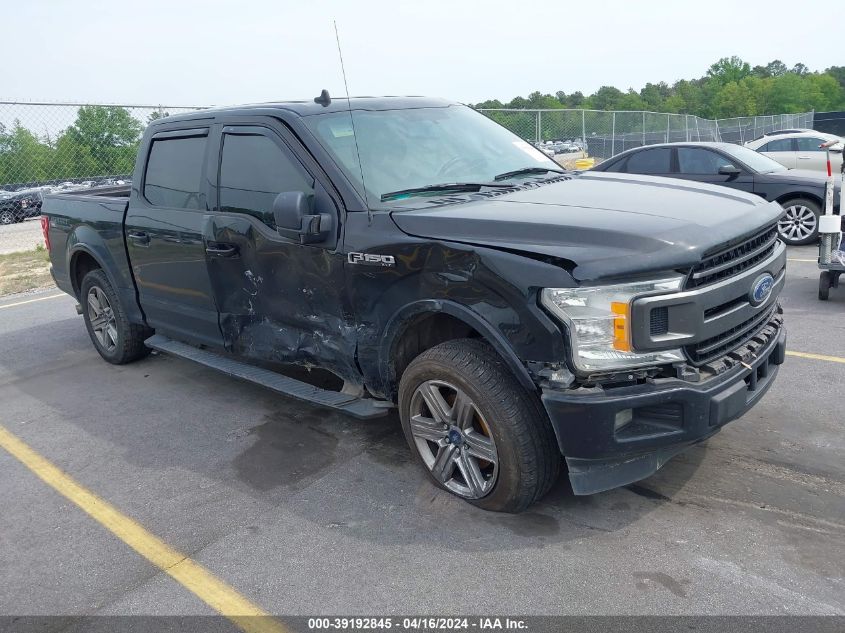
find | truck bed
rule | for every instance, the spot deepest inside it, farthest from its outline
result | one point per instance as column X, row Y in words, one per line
column 89, row 222
column 117, row 193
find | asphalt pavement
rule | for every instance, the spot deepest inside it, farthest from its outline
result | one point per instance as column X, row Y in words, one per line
column 307, row 512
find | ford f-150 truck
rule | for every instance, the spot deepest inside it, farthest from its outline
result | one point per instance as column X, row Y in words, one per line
column 518, row 316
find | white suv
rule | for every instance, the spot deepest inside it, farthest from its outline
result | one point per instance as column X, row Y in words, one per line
column 800, row 150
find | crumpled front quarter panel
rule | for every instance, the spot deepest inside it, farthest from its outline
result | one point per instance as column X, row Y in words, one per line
column 495, row 292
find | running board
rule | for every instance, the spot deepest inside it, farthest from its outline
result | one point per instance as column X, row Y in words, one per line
column 363, row 408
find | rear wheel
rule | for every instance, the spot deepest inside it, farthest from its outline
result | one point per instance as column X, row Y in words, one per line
column 478, row 433
column 116, row 339
column 7, row 217
column 799, row 223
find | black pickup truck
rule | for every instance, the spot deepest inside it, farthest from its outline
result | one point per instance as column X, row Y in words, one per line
column 433, row 261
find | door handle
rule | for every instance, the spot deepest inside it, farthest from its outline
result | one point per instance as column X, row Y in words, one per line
column 221, row 250
column 138, row 237
column 803, row 158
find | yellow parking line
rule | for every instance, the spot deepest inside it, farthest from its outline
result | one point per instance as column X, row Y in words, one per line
column 20, row 303
column 832, row 359
column 214, row 592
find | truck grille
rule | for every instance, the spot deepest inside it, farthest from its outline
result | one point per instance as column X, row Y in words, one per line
column 730, row 261
column 704, row 351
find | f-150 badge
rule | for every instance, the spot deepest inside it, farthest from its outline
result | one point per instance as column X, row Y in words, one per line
column 369, row 258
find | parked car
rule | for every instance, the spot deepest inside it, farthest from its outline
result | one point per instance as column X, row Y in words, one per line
column 779, row 132
column 545, row 148
column 801, row 193
column 512, row 312
column 20, row 205
column 801, row 150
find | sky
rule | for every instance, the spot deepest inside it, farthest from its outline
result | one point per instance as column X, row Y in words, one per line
column 182, row 52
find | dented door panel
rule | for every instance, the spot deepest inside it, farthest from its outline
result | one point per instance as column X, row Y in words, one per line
column 280, row 301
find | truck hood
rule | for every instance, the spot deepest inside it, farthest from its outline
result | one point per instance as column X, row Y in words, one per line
column 606, row 224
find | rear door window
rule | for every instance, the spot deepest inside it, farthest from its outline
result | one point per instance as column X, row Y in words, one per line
column 650, row 161
column 174, row 172
column 778, row 145
column 253, row 171
column 809, row 144
column 694, row 160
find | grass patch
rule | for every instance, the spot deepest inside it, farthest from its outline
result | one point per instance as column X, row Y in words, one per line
column 25, row 270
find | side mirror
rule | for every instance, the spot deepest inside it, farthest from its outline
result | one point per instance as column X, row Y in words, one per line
column 729, row 170
column 294, row 214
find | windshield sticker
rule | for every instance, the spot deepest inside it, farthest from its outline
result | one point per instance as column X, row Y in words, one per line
column 532, row 152
column 341, row 131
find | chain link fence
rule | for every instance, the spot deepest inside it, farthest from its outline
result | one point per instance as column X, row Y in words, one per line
column 604, row 134
column 62, row 145
column 746, row 128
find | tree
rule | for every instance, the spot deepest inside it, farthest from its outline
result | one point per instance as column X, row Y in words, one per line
column 156, row 114
column 105, row 126
column 729, row 69
column 735, row 99
column 655, row 95
column 537, row 100
column 605, row 98
column 110, row 135
column 838, row 73
column 729, row 88
column 774, row 68
column 575, row 100
column 24, row 158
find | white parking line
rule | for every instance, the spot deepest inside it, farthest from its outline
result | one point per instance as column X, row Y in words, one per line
column 20, row 303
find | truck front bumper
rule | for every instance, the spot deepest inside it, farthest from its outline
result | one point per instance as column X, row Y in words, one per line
column 666, row 416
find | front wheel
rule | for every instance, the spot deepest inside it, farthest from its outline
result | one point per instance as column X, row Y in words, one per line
column 7, row 217
column 799, row 223
column 116, row 339
column 478, row 433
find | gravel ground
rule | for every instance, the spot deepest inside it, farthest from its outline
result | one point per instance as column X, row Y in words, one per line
column 20, row 237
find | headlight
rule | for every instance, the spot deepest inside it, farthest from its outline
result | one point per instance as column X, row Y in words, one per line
column 599, row 321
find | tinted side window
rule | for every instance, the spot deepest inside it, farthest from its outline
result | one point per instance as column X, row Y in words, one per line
column 253, row 171
column 174, row 172
column 618, row 166
column 809, row 144
column 779, row 145
column 693, row 160
column 650, row 161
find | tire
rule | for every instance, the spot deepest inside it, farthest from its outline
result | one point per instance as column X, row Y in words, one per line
column 7, row 217
column 824, row 285
column 502, row 421
column 116, row 339
column 799, row 223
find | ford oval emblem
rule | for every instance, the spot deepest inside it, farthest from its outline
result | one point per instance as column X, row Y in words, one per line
column 761, row 289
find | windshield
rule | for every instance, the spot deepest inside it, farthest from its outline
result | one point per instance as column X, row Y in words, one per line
column 755, row 161
column 407, row 149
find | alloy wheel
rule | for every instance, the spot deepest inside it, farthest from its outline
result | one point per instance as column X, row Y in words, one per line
column 453, row 439
column 102, row 319
column 6, row 217
column 797, row 223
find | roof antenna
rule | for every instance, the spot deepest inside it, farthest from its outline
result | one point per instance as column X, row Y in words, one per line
column 352, row 121
column 324, row 99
